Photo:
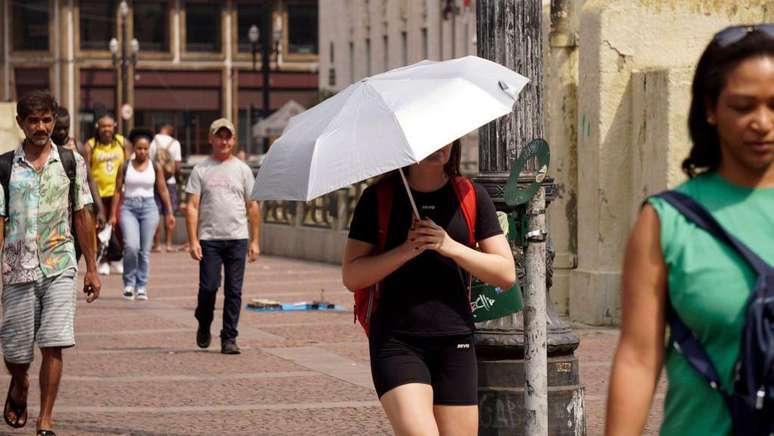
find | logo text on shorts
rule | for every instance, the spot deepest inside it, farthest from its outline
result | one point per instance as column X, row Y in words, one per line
column 461, row 346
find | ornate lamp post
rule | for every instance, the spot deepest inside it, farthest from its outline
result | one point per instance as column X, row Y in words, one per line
column 124, row 57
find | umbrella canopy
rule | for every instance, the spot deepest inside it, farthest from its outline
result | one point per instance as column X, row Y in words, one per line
column 383, row 123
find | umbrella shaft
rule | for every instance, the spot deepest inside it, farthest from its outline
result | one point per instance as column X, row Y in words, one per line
column 408, row 191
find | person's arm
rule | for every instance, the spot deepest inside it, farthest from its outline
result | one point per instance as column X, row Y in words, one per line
column 640, row 353
column 360, row 268
column 493, row 263
column 87, row 154
column 86, row 231
column 113, row 219
column 254, row 217
column 192, row 225
column 98, row 205
column 161, row 186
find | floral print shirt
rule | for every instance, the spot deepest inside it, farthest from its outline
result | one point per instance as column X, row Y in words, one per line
column 38, row 242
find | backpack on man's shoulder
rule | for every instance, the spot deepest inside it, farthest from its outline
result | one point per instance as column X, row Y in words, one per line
column 367, row 299
column 164, row 158
column 751, row 400
column 66, row 156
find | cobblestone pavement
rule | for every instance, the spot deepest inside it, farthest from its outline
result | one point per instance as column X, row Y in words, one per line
column 137, row 371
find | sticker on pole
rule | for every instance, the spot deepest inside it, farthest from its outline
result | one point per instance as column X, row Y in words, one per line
column 127, row 111
column 514, row 193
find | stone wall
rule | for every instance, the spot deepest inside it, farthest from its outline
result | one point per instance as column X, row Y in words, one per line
column 636, row 63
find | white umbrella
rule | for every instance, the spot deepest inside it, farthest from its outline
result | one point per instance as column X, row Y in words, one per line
column 382, row 123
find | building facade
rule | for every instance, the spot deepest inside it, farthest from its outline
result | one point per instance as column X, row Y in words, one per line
column 195, row 61
column 360, row 38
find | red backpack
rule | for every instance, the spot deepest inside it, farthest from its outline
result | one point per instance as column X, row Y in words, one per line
column 367, row 299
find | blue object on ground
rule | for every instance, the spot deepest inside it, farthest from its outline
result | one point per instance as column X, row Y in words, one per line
column 298, row 307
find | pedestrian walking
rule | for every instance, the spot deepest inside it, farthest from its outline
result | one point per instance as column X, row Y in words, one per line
column 105, row 153
column 138, row 182
column 423, row 360
column 165, row 151
column 61, row 136
column 217, row 214
column 42, row 186
column 676, row 270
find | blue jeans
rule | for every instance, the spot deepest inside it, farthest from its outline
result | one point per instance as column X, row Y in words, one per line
column 139, row 219
column 231, row 255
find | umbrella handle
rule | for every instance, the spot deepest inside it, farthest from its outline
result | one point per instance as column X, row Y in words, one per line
column 408, row 191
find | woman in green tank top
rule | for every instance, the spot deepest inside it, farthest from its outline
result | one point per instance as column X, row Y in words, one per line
column 731, row 170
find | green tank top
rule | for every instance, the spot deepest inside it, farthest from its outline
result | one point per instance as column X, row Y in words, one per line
column 708, row 286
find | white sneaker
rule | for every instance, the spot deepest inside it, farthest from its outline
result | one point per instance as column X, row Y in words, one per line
column 117, row 266
column 142, row 294
column 129, row 293
column 103, row 269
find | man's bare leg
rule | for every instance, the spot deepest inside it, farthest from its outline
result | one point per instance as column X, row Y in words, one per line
column 22, row 385
column 50, row 375
column 169, row 231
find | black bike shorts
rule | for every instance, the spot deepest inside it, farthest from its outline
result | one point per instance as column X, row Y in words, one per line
column 447, row 363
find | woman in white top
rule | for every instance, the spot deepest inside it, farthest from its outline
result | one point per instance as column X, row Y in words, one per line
column 136, row 183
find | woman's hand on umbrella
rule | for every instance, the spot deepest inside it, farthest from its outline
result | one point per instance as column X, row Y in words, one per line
column 431, row 236
column 412, row 245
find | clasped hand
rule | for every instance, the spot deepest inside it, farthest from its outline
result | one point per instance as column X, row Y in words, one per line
column 427, row 235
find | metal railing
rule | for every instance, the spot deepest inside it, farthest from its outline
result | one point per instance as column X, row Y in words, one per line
column 332, row 211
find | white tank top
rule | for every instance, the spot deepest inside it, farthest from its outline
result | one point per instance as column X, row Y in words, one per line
column 139, row 183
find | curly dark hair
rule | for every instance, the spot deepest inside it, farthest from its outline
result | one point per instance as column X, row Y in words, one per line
column 36, row 101
column 715, row 64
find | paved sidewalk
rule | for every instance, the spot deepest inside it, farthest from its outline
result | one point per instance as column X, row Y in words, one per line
column 136, row 369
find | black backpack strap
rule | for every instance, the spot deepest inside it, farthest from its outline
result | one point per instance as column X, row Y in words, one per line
column 6, row 166
column 682, row 338
column 67, row 157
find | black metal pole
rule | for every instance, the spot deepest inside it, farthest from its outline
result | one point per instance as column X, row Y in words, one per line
column 509, row 33
column 124, row 76
column 266, row 45
column 255, row 49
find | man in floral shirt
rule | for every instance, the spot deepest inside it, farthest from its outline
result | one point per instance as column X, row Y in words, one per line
column 38, row 266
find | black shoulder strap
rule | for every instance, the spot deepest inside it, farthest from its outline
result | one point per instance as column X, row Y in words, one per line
column 682, row 338
column 6, row 166
column 68, row 162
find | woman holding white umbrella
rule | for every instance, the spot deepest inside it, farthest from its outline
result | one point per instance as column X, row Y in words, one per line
column 423, row 359
column 422, row 355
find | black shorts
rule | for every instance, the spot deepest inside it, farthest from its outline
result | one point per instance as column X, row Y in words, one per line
column 447, row 363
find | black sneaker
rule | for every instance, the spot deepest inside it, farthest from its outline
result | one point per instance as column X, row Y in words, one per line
column 229, row 347
column 203, row 337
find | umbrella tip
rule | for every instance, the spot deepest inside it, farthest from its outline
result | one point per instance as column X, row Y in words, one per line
column 507, row 89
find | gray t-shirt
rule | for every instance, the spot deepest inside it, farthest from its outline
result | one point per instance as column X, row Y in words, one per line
column 223, row 187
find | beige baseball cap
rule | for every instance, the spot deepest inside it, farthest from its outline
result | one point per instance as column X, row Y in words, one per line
column 221, row 123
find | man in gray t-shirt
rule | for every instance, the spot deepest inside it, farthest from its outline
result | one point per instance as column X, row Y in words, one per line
column 217, row 215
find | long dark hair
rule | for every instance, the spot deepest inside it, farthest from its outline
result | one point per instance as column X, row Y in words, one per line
column 452, row 167
column 709, row 80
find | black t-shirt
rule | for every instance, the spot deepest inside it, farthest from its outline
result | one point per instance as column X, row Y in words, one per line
column 427, row 296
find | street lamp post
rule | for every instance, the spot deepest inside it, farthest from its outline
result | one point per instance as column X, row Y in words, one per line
column 265, row 67
column 254, row 36
column 124, row 56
